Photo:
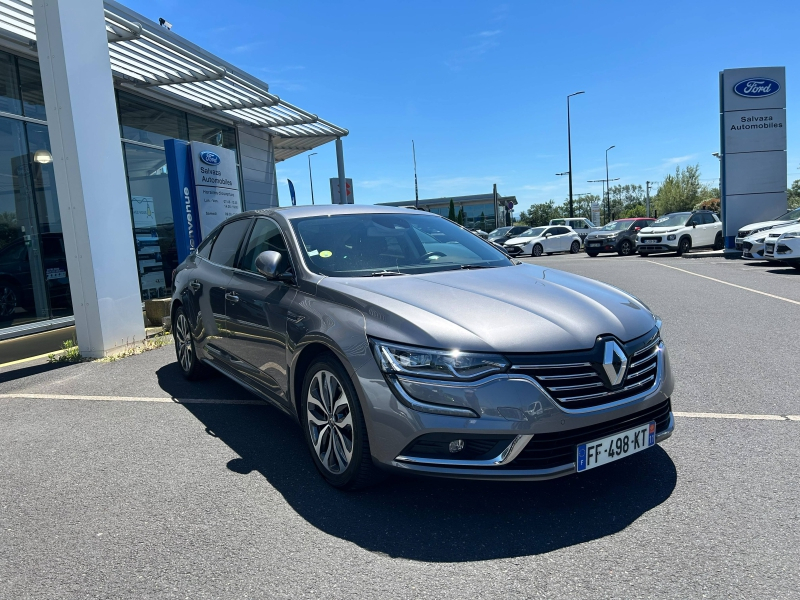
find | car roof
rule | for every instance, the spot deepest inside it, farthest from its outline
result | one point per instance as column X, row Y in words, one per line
column 636, row 219
column 325, row 210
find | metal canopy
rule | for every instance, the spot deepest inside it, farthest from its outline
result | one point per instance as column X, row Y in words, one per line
column 145, row 55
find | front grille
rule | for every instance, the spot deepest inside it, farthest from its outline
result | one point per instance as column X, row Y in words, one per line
column 655, row 240
column 747, row 246
column 774, row 235
column 548, row 450
column 769, row 248
column 580, row 385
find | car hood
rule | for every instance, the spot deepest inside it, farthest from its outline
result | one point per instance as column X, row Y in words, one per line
column 605, row 234
column 661, row 229
column 522, row 240
column 777, row 229
column 752, row 226
column 523, row 308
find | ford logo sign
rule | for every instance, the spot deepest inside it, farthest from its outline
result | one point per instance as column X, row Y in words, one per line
column 757, row 87
column 210, row 158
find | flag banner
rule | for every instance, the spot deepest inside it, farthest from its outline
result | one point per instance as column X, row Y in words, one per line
column 291, row 192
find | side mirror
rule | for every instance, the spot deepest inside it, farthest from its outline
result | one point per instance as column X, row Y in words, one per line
column 268, row 264
column 694, row 225
column 547, row 235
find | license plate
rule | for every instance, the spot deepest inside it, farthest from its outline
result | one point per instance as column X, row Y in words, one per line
column 611, row 448
column 650, row 241
column 594, row 245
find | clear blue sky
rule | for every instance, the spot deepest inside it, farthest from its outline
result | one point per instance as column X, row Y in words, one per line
column 481, row 86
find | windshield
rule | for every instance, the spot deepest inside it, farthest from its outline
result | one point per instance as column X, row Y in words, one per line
column 675, row 220
column 616, row 226
column 558, row 222
column 379, row 244
column 792, row 215
column 535, row 232
column 499, row 232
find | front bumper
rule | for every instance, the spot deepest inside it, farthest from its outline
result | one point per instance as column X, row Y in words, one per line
column 512, row 407
column 782, row 249
column 515, row 250
column 752, row 250
column 600, row 244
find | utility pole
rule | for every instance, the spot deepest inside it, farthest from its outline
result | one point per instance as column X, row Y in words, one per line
column 649, row 183
column 608, row 189
column 310, row 180
column 569, row 152
column 416, row 189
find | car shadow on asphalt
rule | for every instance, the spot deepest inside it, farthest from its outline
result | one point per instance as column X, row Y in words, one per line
column 438, row 520
column 12, row 374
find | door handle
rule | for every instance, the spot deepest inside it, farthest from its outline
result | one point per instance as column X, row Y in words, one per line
column 195, row 285
column 232, row 296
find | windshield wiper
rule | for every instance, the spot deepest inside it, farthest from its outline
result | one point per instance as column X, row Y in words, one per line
column 385, row 273
column 476, row 267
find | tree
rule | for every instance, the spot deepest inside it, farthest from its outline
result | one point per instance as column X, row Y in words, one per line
column 581, row 206
column 793, row 194
column 681, row 191
column 627, row 201
column 540, row 214
column 461, row 216
column 451, row 214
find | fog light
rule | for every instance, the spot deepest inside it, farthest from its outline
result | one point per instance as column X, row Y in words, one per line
column 456, row 446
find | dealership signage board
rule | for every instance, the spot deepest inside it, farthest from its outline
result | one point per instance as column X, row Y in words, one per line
column 204, row 189
column 753, row 140
column 335, row 190
column 596, row 213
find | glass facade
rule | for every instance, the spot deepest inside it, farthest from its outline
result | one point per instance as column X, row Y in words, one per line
column 34, row 283
column 476, row 216
column 144, row 125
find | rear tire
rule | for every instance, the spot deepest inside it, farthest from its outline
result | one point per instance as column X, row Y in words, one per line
column 537, row 250
column 334, row 427
column 575, row 247
column 625, row 248
column 185, row 351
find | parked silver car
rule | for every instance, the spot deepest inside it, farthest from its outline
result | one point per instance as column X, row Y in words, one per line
column 399, row 341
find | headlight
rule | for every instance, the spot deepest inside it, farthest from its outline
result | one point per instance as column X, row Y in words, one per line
column 671, row 238
column 791, row 234
column 437, row 364
column 760, row 240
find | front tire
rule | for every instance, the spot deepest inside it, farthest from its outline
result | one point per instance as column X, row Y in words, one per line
column 719, row 244
column 684, row 245
column 185, row 350
column 537, row 250
column 334, row 426
column 592, row 254
column 625, row 248
column 575, row 247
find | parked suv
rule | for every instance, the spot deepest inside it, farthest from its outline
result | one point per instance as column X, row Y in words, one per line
column 680, row 232
column 618, row 236
column 580, row 225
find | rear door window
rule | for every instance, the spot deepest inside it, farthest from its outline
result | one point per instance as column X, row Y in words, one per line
column 223, row 252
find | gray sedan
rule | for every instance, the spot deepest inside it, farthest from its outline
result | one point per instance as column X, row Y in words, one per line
column 401, row 342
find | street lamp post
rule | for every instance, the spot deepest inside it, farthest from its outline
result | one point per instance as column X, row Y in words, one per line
column 608, row 189
column 310, row 180
column 569, row 153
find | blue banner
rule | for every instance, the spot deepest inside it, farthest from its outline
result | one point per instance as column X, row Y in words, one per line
column 291, row 192
column 182, row 194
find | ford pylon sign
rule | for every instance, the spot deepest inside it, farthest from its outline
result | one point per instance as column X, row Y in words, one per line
column 756, row 87
column 210, row 158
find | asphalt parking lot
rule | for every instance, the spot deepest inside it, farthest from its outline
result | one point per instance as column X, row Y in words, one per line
column 121, row 480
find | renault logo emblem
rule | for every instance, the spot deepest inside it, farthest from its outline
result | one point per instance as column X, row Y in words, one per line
column 614, row 362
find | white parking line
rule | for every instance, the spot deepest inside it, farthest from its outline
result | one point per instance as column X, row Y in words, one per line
column 741, row 417
column 741, row 287
column 128, row 399
column 25, row 396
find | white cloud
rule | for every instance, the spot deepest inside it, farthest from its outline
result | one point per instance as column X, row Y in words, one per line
column 491, row 33
column 676, row 160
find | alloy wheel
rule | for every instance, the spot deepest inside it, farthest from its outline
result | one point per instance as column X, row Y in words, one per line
column 625, row 248
column 537, row 250
column 330, row 421
column 8, row 300
column 183, row 343
column 575, row 247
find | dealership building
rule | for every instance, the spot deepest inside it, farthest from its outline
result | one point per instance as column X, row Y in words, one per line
column 90, row 91
column 481, row 211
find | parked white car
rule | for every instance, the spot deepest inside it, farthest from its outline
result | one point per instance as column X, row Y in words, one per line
column 544, row 240
column 789, row 218
column 680, row 232
column 752, row 246
column 580, row 225
column 784, row 246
